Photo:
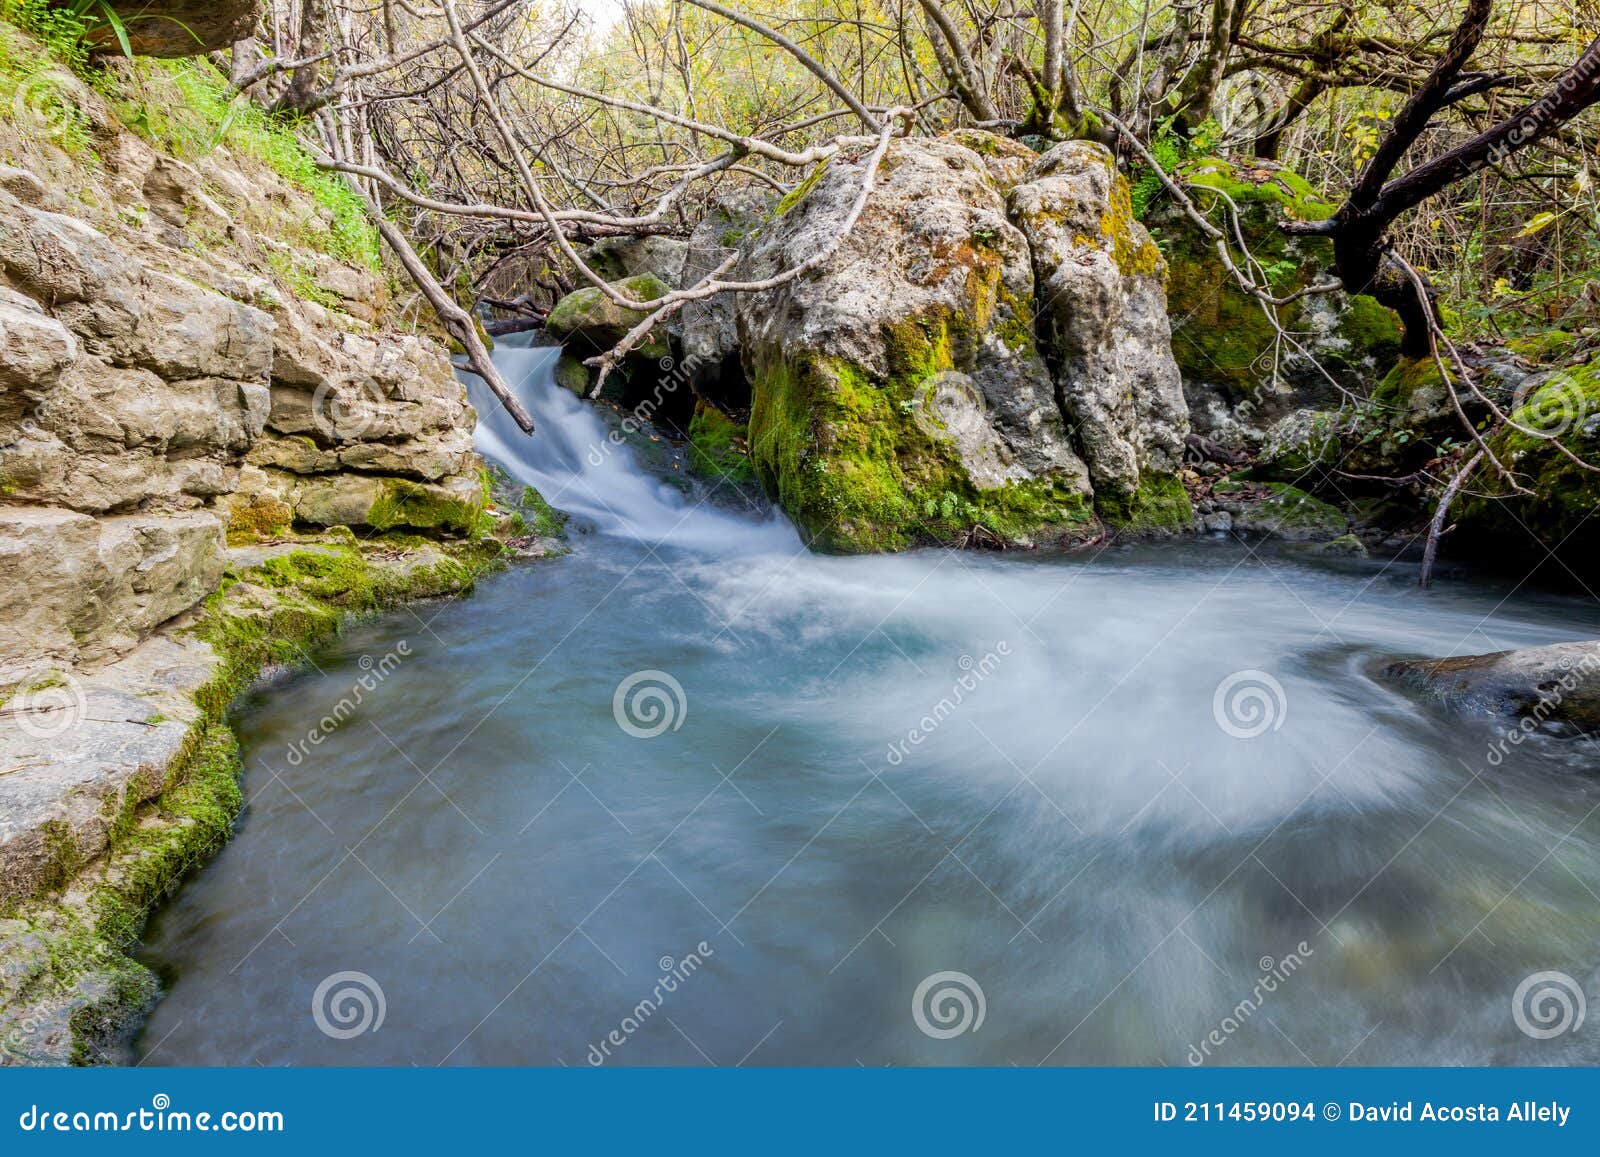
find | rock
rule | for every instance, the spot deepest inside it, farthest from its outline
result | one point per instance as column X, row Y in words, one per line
column 1347, row 545
column 571, row 374
column 1558, row 516
column 1007, row 160
column 1225, row 346
column 179, row 27
column 590, row 320
column 34, row 349
column 1104, row 323
column 1537, row 684
column 619, row 258
column 75, row 589
column 897, row 393
column 708, row 330
column 1279, row 510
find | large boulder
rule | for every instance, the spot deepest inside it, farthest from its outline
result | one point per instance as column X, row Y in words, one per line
column 1103, row 320
column 618, row 258
column 898, row 395
column 589, row 319
column 1559, row 683
column 176, row 27
column 1239, row 374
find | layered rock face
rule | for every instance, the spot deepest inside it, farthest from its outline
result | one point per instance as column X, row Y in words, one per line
column 158, row 398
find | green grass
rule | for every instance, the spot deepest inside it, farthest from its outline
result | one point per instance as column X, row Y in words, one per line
column 184, row 107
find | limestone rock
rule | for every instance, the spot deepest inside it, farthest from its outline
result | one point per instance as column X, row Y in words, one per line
column 897, row 394
column 619, row 258
column 180, row 27
column 1104, row 323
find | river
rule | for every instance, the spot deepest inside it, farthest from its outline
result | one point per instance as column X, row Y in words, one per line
column 692, row 795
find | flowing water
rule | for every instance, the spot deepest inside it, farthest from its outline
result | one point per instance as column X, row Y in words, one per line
column 692, row 795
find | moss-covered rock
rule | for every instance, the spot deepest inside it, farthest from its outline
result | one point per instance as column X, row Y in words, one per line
column 1103, row 321
column 718, row 447
column 589, row 319
column 1559, row 515
column 898, row 395
column 1227, row 347
column 1279, row 510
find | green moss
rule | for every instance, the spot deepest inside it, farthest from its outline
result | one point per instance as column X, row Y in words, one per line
column 1560, row 512
column 717, row 446
column 420, row 507
column 1159, row 503
column 1260, row 183
column 1402, row 382
column 797, row 194
column 1545, row 346
column 841, row 450
column 1287, row 509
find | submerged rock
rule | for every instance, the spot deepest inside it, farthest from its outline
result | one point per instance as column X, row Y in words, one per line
column 1103, row 318
column 898, row 395
column 1538, row 684
column 1279, row 510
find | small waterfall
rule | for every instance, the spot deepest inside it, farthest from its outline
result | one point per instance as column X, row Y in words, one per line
column 586, row 468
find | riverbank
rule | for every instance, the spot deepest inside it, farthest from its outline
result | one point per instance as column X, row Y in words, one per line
column 116, row 784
